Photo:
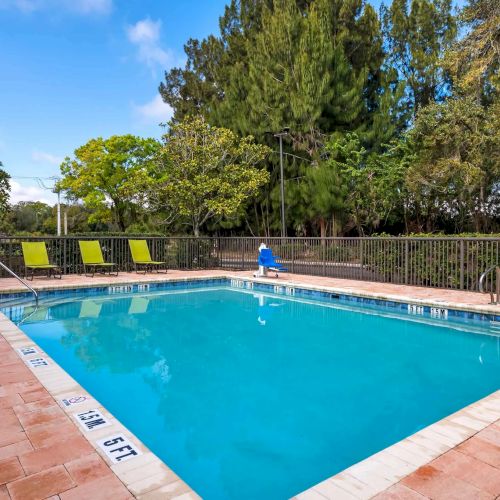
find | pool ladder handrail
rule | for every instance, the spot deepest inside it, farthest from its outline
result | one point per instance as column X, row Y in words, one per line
column 492, row 293
column 18, row 278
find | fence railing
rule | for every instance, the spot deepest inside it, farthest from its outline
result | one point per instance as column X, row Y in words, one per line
column 454, row 263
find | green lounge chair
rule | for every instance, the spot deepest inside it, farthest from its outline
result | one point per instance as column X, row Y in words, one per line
column 141, row 256
column 92, row 258
column 36, row 258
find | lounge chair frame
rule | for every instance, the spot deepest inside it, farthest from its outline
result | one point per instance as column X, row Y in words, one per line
column 102, row 266
column 149, row 266
column 52, row 271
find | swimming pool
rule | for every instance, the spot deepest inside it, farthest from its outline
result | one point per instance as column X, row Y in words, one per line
column 249, row 394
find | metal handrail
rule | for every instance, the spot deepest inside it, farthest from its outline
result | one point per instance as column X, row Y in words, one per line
column 491, row 292
column 18, row 278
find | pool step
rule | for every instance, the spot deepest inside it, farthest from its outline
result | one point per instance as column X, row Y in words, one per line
column 495, row 327
column 14, row 301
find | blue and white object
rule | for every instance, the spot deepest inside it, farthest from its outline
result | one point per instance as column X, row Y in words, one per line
column 267, row 262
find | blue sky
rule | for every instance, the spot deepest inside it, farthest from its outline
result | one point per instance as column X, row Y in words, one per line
column 72, row 70
column 76, row 69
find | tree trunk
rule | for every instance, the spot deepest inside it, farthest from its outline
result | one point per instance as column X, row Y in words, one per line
column 119, row 213
column 480, row 216
column 121, row 220
column 322, row 227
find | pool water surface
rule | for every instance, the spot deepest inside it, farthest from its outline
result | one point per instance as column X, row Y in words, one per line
column 248, row 395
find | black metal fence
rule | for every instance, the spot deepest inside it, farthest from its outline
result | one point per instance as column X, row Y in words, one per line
column 454, row 263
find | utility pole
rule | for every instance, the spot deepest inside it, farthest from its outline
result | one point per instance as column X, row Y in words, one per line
column 280, row 136
column 58, row 213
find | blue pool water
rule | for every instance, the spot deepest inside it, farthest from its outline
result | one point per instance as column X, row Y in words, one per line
column 250, row 396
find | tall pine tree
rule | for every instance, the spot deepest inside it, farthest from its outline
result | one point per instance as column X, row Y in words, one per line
column 416, row 37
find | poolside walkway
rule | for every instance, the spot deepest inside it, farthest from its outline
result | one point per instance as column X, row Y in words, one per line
column 469, row 471
column 37, row 463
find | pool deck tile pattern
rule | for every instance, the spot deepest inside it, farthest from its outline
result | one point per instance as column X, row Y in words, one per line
column 44, row 454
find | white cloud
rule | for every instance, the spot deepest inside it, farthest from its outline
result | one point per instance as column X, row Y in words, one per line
column 145, row 34
column 99, row 6
column 144, row 31
column 155, row 111
column 78, row 6
column 20, row 192
column 42, row 157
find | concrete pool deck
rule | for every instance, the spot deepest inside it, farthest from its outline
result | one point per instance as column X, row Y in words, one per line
column 45, row 454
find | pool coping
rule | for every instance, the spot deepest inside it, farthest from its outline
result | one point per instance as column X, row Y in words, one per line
column 484, row 312
column 486, row 309
column 149, row 474
column 490, row 310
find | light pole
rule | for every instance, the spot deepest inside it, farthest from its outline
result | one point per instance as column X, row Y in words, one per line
column 280, row 136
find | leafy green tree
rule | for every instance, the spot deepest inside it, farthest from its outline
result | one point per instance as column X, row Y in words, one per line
column 474, row 60
column 4, row 198
column 30, row 216
column 324, row 195
column 315, row 66
column 101, row 174
column 416, row 37
column 77, row 216
column 349, row 85
column 206, row 172
column 4, row 191
column 456, row 168
column 214, row 80
column 192, row 89
column 315, row 72
column 374, row 183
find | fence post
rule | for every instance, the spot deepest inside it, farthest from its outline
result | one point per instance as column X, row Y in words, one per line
column 361, row 249
column 497, row 284
column 65, row 270
column 462, row 267
column 217, row 242
column 406, row 261
column 323, row 253
column 243, row 254
column 293, row 257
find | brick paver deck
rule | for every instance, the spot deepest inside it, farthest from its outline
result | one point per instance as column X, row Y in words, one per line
column 469, row 471
column 37, row 463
